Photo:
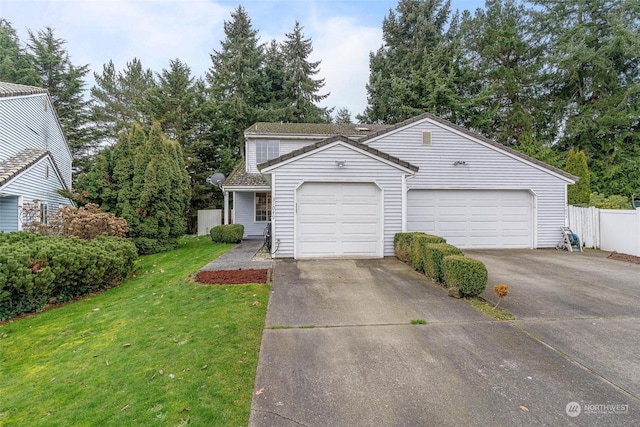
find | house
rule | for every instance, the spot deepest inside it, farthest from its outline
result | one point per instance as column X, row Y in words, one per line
column 346, row 190
column 35, row 159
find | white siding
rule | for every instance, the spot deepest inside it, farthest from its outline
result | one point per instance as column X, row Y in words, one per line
column 485, row 168
column 33, row 184
column 286, row 146
column 29, row 122
column 321, row 167
column 244, row 213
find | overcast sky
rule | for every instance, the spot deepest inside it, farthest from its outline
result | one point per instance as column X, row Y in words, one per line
column 343, row 33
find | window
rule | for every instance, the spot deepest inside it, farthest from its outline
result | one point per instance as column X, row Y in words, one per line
column 263, row 207
column 44, row 213
column 267, row 150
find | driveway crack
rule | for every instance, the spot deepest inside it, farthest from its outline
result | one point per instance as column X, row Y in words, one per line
column 279, row 415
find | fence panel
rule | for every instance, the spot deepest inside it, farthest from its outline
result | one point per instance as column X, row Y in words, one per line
column 207, row 219
column 585, row 222
column 620, row 231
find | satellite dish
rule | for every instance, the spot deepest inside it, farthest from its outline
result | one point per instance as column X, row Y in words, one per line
column 216, row 179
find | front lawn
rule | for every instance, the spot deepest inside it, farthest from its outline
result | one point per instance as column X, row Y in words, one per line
column 158, row 350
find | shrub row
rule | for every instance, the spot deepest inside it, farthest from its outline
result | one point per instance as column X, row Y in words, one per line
column 37, row 270
column 442, row 262
column 227, row 233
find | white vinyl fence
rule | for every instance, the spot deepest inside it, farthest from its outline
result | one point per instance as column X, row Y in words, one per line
column 207, row 219
column 607, row 229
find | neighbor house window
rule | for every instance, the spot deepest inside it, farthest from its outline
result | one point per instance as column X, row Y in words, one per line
column 44, row 213
column 267, row 150
column 263, row 207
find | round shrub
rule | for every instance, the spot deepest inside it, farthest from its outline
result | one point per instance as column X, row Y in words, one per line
column 227, row 233
column 434, row 254
column 402, row 244
column 467, row 274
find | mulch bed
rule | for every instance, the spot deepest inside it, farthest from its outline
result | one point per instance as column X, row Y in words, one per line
column 625, row 257
column 233, row 277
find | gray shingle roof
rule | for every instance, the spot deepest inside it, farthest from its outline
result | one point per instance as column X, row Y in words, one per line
column 19, row 163
column 472, row 135
column 240, row 178
column 13, row 89
column 331, row 140
column 322, row 129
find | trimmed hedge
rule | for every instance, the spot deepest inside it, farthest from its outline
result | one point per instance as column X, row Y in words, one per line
column 434, row 253
column 37, row 270
column 467, row 274
column 227, row 233
column 402, row 244
column 418, row 250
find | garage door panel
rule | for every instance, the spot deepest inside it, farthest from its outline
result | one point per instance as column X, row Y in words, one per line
column 473, row 218
column 347, row 225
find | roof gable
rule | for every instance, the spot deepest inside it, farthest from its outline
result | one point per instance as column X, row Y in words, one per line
column 16, row 165
column 285, row 158
column 473, row 135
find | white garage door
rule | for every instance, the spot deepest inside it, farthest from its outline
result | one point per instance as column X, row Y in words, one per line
column 473, row 218
column 338, row 220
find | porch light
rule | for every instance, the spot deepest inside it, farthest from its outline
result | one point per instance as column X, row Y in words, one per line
column 340, row 163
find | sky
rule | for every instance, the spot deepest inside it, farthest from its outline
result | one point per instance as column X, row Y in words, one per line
column 343, row 33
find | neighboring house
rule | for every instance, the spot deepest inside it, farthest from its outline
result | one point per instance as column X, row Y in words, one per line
column 35, row 160
column 346, row 190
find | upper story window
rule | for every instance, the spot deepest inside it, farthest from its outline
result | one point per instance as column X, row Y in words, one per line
column 267, row 150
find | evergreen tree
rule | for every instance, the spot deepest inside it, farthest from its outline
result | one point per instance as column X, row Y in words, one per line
column 300, row 87
column 143, row 179
column 502, row 65
column 343, row 116
column 593, row 77
column 277, row 102
column 65, row 83
column 237, row 85
column 416, row 69
column 15, row 64
column 118, row 98
column 580, row 192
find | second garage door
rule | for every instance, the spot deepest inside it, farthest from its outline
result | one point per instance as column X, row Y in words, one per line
column 473, row 218
column 338, row 220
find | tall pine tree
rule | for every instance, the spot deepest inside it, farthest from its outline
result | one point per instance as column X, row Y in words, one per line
column 16, row 65
column 237, row 85
column 301, row 89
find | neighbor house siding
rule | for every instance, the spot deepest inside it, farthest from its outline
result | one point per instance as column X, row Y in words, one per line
column 9, row 214
column 286, row 146
column 28, row 122
column 244, row 211
column 321, row 167
column 34, row 184
column 486, row 168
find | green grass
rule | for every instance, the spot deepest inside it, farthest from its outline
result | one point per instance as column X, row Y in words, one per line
column 418, row 322
column 487, row 309
column 157, row 350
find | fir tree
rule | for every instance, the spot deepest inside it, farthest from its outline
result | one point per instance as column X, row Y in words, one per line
column 16, row 65
column 300, row 87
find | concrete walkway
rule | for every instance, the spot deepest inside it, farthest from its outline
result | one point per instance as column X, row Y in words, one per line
column 242, row 257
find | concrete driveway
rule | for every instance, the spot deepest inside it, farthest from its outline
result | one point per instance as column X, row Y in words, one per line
column 340, row 349
column 582, row 304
